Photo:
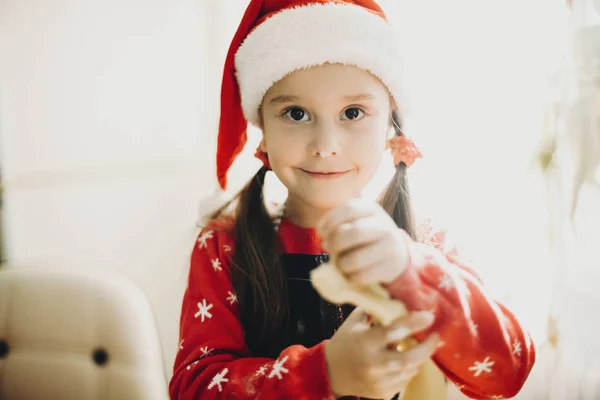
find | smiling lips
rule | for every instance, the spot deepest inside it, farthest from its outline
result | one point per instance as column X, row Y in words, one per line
column 325, row 174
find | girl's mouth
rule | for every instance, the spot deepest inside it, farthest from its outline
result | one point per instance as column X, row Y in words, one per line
column 325, row 174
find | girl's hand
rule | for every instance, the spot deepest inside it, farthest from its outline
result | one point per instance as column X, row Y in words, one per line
column 360, row 362
column 369, row 247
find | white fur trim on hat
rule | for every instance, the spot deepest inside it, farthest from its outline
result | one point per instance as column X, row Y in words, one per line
column 313, row 35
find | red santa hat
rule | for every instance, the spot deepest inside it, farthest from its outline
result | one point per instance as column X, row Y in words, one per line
column 278, row 37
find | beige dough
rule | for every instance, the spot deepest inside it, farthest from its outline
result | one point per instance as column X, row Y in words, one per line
column 429, row 383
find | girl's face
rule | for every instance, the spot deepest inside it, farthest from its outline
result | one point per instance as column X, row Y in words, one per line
column 325, row 130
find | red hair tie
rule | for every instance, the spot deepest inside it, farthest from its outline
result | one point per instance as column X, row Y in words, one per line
column 264, row 157
column 403, row 150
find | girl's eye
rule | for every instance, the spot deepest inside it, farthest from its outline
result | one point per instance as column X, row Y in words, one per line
column 297, row 115
column 353, row 114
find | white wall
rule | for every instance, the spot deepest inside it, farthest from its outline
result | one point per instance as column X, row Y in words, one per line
column 108, row 118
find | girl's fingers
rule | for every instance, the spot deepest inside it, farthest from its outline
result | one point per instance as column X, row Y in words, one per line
column 398, row 380
column 357, row 319
column 374, row 340
column 407, row 370
column 379, row 338
column 370, row 275
column 348, row 212
column 351, row 235
column 361, row 258
column 415, row 355
column 408, row 326
column 395, row 368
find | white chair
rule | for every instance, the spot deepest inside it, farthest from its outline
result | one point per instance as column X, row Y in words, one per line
column 77, row 335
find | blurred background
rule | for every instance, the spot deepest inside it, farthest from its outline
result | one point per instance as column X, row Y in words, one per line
column 108, row 121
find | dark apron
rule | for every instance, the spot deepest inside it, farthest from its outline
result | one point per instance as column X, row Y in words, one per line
column 312, row 319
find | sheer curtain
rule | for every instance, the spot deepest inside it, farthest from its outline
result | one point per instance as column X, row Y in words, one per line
column 571, row 154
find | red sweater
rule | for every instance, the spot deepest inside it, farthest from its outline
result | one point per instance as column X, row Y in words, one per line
column 487, row 354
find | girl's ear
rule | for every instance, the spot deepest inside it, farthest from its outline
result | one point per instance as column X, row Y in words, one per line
column 263, row 145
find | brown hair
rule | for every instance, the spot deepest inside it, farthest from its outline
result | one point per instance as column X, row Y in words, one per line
column 256, row 273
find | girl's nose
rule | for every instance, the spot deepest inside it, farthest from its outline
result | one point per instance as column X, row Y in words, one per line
column 326, row 140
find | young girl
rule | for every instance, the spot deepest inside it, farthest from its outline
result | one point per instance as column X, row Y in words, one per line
column 319, row 77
